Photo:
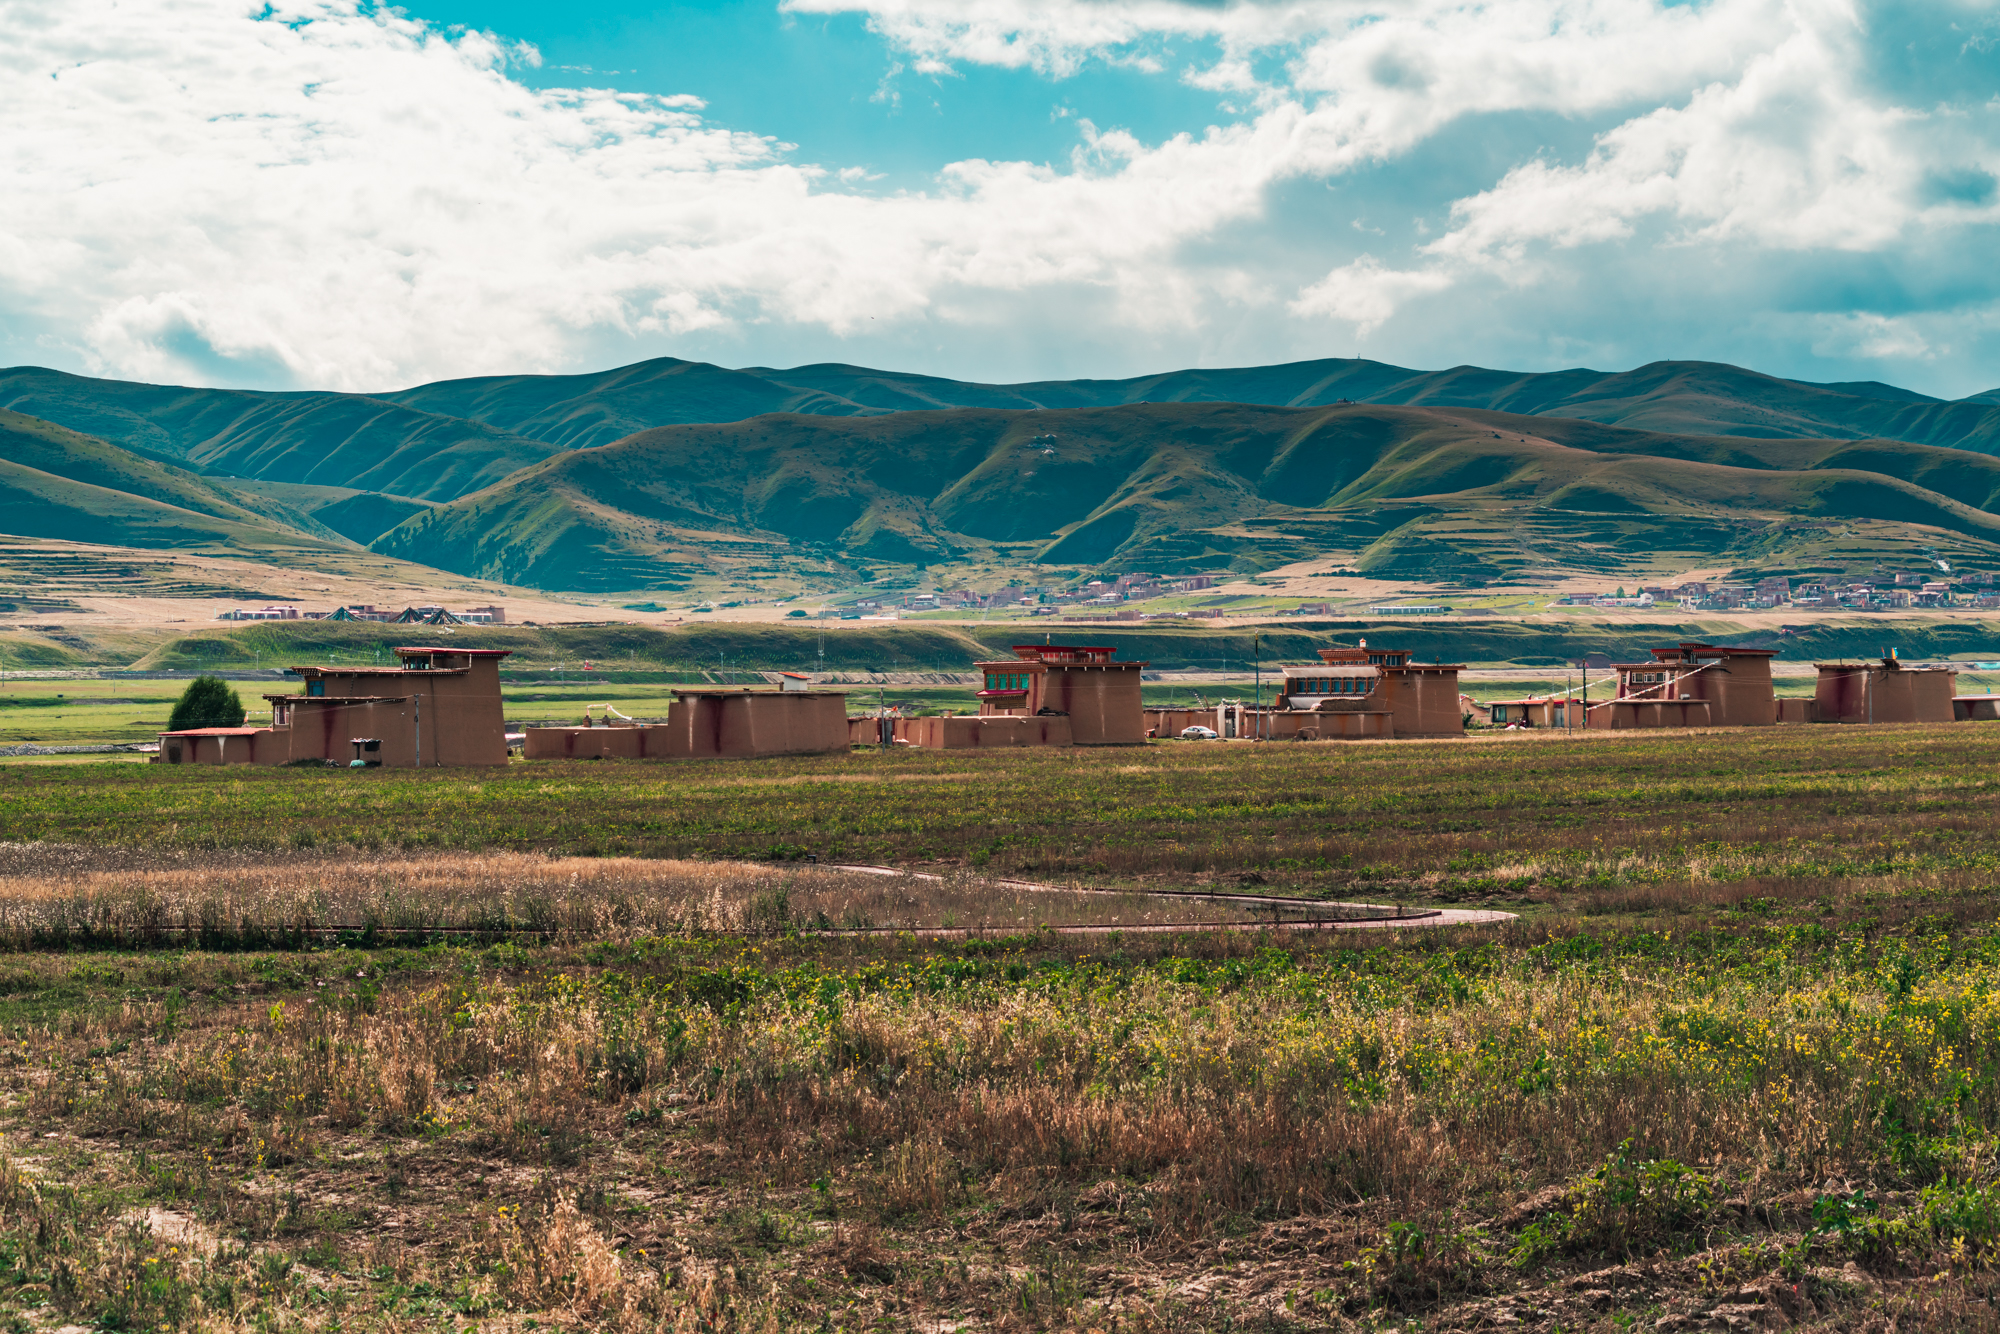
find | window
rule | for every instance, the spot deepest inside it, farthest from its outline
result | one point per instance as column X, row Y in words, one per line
column 316, row 689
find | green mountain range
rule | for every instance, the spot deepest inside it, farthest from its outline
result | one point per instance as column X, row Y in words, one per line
column 1409, row 492
column 662, row 473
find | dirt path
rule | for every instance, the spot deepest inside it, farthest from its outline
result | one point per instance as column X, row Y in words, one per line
column 1381, row 916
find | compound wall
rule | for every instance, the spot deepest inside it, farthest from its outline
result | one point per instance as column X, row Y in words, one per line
column 969, row 731
column 1621, row 714
column 1101, row 699
column 1859, row 693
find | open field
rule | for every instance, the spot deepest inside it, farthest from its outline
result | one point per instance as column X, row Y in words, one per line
column 299, row 1050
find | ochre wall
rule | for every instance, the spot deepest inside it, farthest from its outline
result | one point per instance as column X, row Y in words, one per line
column 1102, row 701
column 740, row 726
column 1423, row 700
column 327, row 732
column 734, row 726
column 605, row 743
column 989, row 732
column 464, row 720
column 1282, row 724
column 1900, row 695
column 1797, row 710
column 1621, row 714
column 1738, row 689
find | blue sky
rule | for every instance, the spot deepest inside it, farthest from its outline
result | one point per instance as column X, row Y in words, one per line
column 824, row 83
column 334, row 193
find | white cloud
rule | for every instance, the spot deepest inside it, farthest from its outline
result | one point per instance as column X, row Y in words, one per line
column 340, row 195
column 1365, row 294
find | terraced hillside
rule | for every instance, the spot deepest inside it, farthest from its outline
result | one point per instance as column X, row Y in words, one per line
column 1412, row 492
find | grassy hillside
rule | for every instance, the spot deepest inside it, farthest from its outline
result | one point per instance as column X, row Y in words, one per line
column 1678, row 397
column 581, row 410
column 329, row 439
column 57, row 483
column 45, row 447
column 726, row 650
column 741, row 475
column 1396, row 491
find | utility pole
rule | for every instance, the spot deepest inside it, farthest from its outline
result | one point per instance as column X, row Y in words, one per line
column 1257, row 651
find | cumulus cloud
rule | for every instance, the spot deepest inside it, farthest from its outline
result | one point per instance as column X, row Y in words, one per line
column 326, row 192
column 1365, row 294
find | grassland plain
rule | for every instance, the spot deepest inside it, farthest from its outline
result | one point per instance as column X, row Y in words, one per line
column 305, row 1050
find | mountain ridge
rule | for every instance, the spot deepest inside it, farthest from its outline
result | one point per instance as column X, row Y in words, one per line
column 440, row 441
column 1176, row 487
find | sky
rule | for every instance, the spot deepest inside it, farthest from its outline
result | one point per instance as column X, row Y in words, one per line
column 334, row 194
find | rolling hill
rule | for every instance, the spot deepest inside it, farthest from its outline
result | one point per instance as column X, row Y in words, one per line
column 57, row 483
column 345, row 440
column 440, row 441
column 1675, row 396
column 660, row 474
column 1462, row 494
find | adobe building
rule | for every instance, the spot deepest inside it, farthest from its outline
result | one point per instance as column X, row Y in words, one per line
column 1099, row 696
column 710, row 724
column 440, row 708
column 1351, row 694
column 1692, row 685
column 1885, row 692
column 1421, row 698
column 1975, row 708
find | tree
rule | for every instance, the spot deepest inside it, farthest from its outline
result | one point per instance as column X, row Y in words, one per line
column 207, row 702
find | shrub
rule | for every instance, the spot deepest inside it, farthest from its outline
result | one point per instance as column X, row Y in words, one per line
column 207, row 702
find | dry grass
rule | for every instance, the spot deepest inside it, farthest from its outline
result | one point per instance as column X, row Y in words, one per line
column 1739, row 1066
column 265, row 901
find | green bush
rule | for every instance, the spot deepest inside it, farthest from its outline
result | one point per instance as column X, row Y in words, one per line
column 1630, row 1198
column 207, row 702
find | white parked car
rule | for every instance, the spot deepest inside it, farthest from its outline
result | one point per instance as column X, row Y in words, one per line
column 1198, row 733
